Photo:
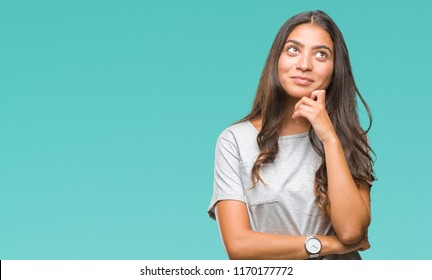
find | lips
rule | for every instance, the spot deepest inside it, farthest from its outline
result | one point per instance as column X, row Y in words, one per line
column 302, row 80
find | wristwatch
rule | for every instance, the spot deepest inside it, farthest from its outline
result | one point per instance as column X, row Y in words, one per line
column 313, row 246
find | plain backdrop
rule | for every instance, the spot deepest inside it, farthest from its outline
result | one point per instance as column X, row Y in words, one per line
column 110, row 110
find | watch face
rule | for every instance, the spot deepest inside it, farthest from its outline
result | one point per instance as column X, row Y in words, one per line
column 313, row 246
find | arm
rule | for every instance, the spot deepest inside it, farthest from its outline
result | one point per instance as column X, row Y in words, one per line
column 243, row 243
column 349, row 204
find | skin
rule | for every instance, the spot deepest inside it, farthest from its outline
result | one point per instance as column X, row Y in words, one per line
column 305, row 68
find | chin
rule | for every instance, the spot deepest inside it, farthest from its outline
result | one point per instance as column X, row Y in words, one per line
column 299, row 93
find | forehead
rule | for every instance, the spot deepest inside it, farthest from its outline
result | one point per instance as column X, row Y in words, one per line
column 311, row 35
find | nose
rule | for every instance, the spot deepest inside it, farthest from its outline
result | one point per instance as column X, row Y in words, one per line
column 304, row 63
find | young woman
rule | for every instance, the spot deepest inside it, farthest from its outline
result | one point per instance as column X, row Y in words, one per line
column 292, row 179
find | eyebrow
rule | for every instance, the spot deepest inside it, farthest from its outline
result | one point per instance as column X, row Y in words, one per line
column 314, row 47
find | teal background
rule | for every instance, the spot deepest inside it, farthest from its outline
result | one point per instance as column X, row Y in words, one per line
column 109, row 112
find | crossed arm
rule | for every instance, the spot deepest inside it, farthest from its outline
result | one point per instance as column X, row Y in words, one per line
column 350, row 224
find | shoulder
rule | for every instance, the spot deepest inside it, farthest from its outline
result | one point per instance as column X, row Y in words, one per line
column 238, row 131
column 238, row 140
column 240, row 137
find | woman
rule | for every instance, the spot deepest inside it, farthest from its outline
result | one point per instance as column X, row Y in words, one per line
column 293, row 178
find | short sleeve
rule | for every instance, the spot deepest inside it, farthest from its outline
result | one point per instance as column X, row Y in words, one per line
column 227, row 178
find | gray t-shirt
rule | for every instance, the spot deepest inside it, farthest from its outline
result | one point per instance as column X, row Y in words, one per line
column 285, row 203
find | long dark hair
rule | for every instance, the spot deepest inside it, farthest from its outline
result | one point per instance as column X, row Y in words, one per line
column 341, row 105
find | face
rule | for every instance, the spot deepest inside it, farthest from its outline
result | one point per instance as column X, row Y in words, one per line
column 306, row 62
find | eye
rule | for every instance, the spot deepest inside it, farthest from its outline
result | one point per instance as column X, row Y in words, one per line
column 321, row 55
column 292, row 50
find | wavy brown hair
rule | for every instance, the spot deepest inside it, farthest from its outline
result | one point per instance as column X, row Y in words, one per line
column 341, row 105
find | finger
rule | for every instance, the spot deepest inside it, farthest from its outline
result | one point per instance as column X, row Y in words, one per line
column 304, row 101
column 364, row 247
column 303, row 110
column 319, row 96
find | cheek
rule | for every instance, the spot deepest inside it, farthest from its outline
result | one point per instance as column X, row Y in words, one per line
column 284, row 64
column 326, row 74
column 280, row 66
column 280, row 69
